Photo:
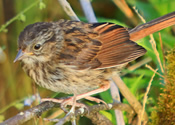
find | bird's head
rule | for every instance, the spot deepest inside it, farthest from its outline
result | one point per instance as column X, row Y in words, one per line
column 37, row 41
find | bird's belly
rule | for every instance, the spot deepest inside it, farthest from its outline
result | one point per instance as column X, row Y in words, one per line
column 69, row 80
column 74, row 82
column 70, row 87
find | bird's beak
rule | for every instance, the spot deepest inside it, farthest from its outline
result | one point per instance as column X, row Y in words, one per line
column 20, row 55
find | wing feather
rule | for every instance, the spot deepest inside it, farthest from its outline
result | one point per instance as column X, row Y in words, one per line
column 99, row 45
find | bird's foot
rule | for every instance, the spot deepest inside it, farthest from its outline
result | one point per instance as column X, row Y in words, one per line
column 72, row 101
column 65, row 102
column 90, row 98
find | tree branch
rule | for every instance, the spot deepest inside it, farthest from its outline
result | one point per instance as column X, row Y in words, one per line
column 115, row 93
column 67, row 8
column 129, row 96
column 22, row 117
column 88, row 11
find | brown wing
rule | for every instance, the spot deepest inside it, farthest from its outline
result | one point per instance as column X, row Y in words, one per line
column 116, row 48
column 98, row 45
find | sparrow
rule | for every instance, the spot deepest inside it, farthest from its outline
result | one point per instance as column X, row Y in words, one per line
column 75, row 57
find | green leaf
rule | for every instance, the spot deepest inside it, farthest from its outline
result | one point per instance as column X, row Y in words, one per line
column 42, row 5
column 19, row 106
column 136, row 84
column 22, row 17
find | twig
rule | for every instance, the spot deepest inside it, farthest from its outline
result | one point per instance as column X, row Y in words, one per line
column 122, row 5
column 73, row 122
column 88, row 11
column 67, row 8
column 55, row 114
column 153, row 43
column 2, row 28
column 116, row 98
column 138, row 64
column 24, row 116
column 140, row 16
column 99, row 119
column 129, row 96
column 65, row 119
column 149, row 67
column 145, row 99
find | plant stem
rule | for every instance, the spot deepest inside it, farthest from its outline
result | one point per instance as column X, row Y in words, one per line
column 2, row 28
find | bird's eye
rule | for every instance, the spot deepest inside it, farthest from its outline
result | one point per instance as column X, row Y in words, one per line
column 37, row 46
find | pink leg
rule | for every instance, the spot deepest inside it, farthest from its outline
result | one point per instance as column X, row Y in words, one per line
column 99, row 90
column 78, row 97
column 52, row 100
column 71, row 100
column 90, row 98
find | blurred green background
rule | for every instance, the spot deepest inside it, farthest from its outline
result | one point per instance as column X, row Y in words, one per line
column 16, row 86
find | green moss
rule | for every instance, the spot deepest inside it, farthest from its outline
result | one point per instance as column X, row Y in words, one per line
column 165, row 113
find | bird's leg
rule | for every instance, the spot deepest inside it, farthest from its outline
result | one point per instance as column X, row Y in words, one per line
column 90, row 98
column 72, row 100
column 102, row 88
column 66, row 102
column 86, row 95
column 52, row 100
